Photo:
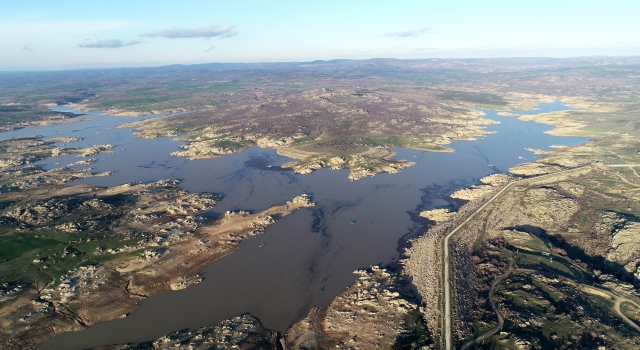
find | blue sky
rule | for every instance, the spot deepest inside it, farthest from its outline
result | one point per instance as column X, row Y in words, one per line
column 37, row 35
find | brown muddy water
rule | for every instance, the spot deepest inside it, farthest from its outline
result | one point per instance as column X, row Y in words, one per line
column 308, row 257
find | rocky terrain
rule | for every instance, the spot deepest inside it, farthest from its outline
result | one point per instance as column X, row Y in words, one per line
column 241, row 332
column 558, row 257
column 487, row 186
column 380, row 311
column 17, row 157
column 324, row 128
column 80, row 254
column 437, row 215
column 147, row 259
column 548, row 238
column 423, row 260
column 538, row 251
column 24, row 115
column 25, row 150
column 367, row 163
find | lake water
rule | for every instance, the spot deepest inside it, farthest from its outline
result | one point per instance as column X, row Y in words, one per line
column 308, row 257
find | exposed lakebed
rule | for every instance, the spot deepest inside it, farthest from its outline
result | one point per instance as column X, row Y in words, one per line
column 308, row 257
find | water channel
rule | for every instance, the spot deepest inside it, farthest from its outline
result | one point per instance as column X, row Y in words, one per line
column 308, row 257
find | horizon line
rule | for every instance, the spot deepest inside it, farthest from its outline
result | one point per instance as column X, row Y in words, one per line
column 322, row 61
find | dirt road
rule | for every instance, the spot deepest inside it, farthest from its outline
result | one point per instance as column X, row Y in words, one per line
column 445, row 249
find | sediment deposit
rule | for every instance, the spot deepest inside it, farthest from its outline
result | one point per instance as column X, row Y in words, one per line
column 437, row 215
column 240, row 332
column 379, row 311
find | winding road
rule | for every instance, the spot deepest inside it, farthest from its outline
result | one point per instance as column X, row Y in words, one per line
column 445, row 248
column 618, row 299
column 630, row 166
column 616, row 307
column 497, row 328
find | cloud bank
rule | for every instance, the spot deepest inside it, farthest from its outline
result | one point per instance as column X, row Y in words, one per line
column 107, row 43
column 408, row 33
column 209, row 31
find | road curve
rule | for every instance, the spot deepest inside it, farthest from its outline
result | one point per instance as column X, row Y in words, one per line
column 617, row 298
column 494, row 307
column 616, row 306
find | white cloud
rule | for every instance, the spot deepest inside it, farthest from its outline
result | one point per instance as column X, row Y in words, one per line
column 209, row 31
column 209, row 48
column 408, row 33
column 106, row 43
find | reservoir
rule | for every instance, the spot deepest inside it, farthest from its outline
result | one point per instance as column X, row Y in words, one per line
column 306, row 258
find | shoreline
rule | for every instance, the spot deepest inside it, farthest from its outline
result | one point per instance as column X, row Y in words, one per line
column 186, row 282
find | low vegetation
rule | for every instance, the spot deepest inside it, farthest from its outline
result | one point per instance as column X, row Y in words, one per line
column 564, row 249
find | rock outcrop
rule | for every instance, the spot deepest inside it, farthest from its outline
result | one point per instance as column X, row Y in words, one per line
column 371, row 314
column 240, row 332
